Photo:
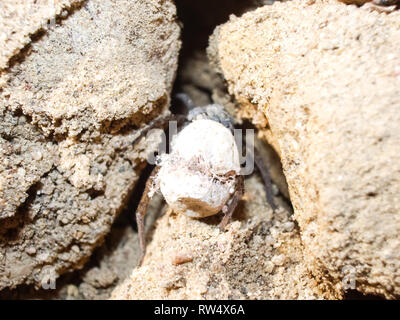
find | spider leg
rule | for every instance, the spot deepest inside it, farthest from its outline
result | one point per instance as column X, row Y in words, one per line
column 141, row 212
column 160, row 123
column 186, row 100
column 379, row 6
column 230, row 208
column 266, row 178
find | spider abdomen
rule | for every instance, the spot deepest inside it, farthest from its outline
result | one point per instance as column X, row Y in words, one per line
column 197, row 177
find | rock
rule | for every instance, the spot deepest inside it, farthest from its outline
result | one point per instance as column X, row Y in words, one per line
column 191, row 259
column 113, row 261
column 109, row 264
column 326, row 77
column 96, row 89
column 21, row 20
column 71, row 102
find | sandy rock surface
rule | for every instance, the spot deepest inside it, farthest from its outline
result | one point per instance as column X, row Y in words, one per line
column 326, row 77
column 113, row 68
column 72, row 99
column 21, row 19
column 258, row 257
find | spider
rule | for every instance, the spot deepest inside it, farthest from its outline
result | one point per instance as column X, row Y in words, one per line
column 201, row 176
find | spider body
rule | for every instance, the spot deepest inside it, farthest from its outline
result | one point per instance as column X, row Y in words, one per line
column 201, row 176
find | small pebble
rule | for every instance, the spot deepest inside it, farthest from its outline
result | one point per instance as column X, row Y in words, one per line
column 75, row 248
column 43, row 257
column 278, row 260
column 182, row 258
column 269, row 267
column 37, row 155
column 269, row 240
column 72, row 291
column 288, row 226
column 30, row 250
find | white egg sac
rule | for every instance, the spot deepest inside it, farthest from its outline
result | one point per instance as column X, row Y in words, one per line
column 198, row 176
